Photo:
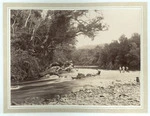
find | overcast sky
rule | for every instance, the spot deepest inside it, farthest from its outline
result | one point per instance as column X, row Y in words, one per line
column 121, row 21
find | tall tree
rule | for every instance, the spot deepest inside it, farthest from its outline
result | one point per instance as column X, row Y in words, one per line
column 42, row 33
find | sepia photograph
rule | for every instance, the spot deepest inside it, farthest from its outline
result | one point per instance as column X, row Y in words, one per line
column 76, row 56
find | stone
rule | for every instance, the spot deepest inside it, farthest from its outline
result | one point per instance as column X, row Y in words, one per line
column 137, row 80
column 80, row 75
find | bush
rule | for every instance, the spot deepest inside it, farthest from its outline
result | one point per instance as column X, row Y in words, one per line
column 23, row 65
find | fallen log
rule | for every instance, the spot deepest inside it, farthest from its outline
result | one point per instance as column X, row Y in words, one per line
column 51, row 71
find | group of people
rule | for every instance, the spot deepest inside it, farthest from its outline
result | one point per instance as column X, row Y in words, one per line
column 123, row 69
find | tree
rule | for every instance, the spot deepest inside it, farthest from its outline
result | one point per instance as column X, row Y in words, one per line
column 42, row 33
column 122, row 52
column 134, row 53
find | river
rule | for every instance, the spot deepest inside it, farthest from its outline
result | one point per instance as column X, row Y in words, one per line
column 50, row 86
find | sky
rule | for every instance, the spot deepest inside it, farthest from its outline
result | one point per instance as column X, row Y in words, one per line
column 120, row 20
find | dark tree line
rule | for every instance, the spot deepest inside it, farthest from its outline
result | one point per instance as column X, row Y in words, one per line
column 41, row 37
column 124, row 52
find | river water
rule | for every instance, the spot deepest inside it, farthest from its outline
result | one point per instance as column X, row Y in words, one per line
column 51, row 86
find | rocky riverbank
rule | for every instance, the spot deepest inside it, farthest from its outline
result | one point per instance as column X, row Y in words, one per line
column 114, row 94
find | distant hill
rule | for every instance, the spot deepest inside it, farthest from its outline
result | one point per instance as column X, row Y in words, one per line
column 90, row 46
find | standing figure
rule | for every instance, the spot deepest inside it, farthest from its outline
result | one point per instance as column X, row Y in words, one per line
column 127, row 69
column 123, row 69
column 120, row 69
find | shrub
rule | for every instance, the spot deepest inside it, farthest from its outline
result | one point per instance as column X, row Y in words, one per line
column 23, row 65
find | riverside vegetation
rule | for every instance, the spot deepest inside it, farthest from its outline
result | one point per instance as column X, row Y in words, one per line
column 40, row 38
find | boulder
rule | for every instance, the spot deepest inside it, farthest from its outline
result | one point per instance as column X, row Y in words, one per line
column 137, row 80
column 88, row 75
column 80, row 75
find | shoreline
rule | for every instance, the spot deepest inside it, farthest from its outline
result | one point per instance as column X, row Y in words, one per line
column 117, row 94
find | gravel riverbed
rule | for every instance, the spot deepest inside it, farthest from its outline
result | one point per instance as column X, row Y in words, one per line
column 113, row 89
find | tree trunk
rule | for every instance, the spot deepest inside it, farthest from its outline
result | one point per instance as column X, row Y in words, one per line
column 27, row 19
column 13, row 29
column 36, row 27
column 33, row 34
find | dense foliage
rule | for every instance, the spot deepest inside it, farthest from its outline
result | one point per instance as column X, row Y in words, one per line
column 40, row 37
column 125, row 52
